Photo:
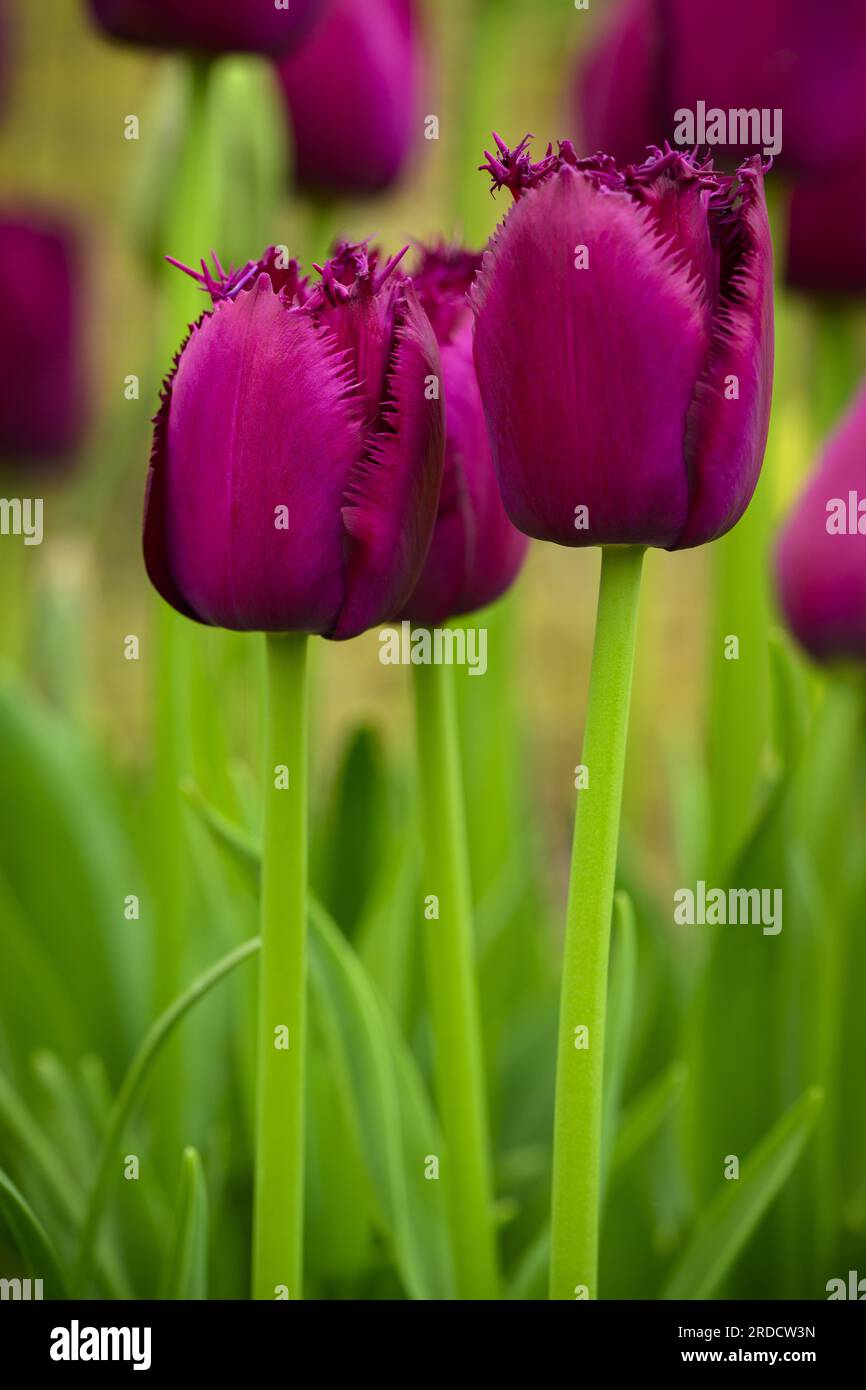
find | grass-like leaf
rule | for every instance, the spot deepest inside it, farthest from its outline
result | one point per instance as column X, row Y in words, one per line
column 32, row 1241
column 732, row 1216
column 185, row 1272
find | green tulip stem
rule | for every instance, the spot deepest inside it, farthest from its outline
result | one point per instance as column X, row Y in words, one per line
column 453, row 988
column 580, row 1053
column 278, row 1213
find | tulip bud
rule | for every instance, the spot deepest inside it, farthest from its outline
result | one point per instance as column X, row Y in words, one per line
column 476, row 553
column 785, row 76
column 297, row 456
column 351, row 94
column 208, row 26
column 624, row 346
column 41, row 404
column 821, row 555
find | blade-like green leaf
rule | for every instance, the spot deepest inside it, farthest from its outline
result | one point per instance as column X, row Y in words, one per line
column 32, row 1241
column 184, row 1274
column 397, row 1129
column 732, row 1216
column 642, row 1119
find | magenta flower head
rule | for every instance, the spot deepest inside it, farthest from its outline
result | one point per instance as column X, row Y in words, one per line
column 42, row 401
column 209, row 26
column 780, row 77
column 624, row 346
column 297, row 456
column 826, row 238
column 821, row 555
column 352, row 96
column 476, row 553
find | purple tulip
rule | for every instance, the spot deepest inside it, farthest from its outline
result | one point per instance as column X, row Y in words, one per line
column 209, row 26
column 821, row 556
column 660, row 57
column 624, row 346
column 476, row 553
column 41, row 404
column 297, row 458
column 352, row 96
column 826, row 240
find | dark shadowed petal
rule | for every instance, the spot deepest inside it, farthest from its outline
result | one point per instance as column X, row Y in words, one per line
column 476, row 552
column 587, row 374
column 213, row 26
column 352, row 96
column 393, row 491
column 822, row 575
column 729, row 418
column 257, row 418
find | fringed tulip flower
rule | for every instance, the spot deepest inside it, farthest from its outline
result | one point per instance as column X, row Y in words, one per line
column 797, row 66
column 821, row 556
column 41, row 404
column 624, row 346
column 352, row 97
column 476, row 553
column 297, row 456
column 624, row 349
column 208, row 26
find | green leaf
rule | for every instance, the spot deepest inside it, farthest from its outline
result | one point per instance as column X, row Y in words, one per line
column 68, row 935
column 185, row 1272
column 392, row 1113
column 130, row 1093
column 351, row 848
column 732, row 1216
column 32, row 1241
column 645, row 1116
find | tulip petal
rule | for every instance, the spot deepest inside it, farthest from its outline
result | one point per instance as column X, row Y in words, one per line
column 586, row 404
column 476, row 552
column 821, row 572
column 261, row 417
column 729, row 419
column 393, row 490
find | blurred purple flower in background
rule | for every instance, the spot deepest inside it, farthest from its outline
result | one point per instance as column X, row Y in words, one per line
column 209, row 26
column 624, row 346
column 352, row 96
column 297, row 456
column 826, row 240
column 476, row 553
column 821, row 555
column 804, row 59
column 42, row 402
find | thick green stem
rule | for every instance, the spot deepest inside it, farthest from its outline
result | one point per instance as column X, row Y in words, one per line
column 580, row 1059
column 453, row 988
column 279, row 1170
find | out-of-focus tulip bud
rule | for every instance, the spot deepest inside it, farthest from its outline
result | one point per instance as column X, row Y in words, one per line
column 624, row 346
column 476, row 553
column 352, row 97
column 42, row 400
column 826, row 241
column 298, row 453
column 821, row 555
column 208, row 26
column 780, row 77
